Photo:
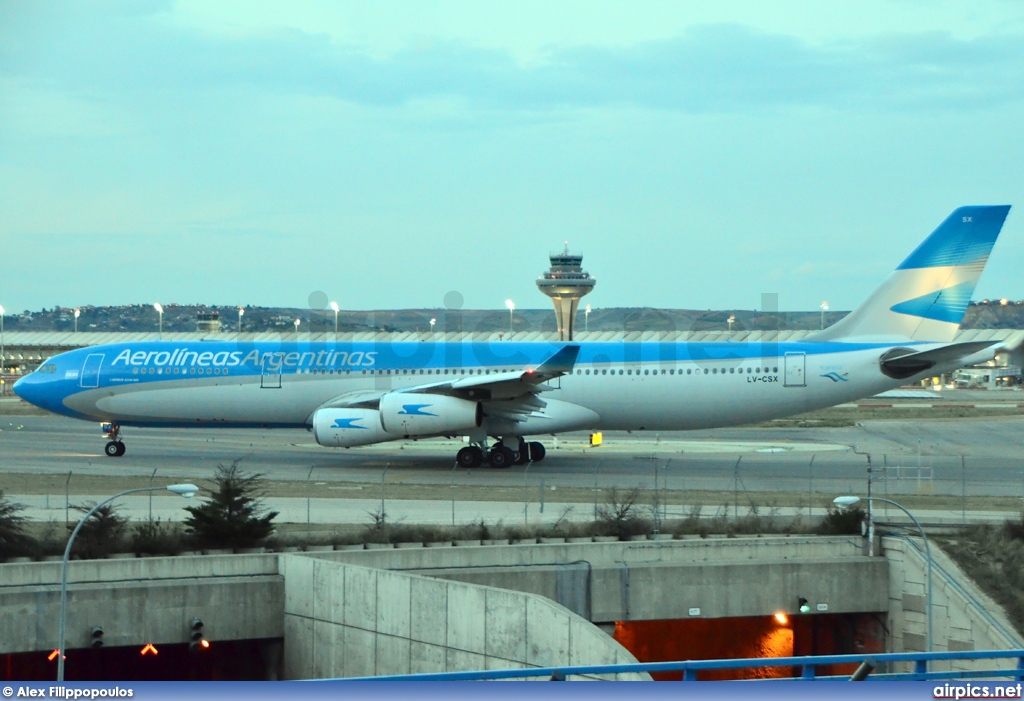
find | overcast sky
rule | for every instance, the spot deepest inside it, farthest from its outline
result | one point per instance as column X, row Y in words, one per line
column 386, row 153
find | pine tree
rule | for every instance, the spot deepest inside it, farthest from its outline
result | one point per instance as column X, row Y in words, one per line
column 13, row 540
column 234, row 516
column 101, row 535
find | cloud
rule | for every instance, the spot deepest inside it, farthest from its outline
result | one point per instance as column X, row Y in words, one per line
column 708, row 69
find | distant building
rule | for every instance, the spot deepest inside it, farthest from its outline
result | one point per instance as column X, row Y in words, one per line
column 565, row 283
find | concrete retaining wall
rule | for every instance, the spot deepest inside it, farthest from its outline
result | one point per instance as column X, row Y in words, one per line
column 141, row 600
column 344, row 621
column 963, row 617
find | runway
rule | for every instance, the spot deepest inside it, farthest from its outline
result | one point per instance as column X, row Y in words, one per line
column 951, row 461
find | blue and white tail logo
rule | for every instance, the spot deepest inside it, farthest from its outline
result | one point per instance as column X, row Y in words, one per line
column 926, row 296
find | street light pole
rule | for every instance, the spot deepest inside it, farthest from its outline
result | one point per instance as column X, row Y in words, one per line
column 824, row 308
column 78, row 312
column 586, row 319
column 3, row 352
column 511, row 309
column 851, row 500
column 160, row 310
column 241, row 312
column 334, row 306
column 297, row 322
column 185, row 490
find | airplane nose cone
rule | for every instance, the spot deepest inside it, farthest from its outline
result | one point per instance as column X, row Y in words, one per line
column 30, row 390
column 19, row 387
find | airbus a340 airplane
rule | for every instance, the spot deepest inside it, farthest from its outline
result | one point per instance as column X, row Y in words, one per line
column 353, row 394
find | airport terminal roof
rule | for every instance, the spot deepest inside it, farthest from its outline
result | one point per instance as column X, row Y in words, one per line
column 67, row 340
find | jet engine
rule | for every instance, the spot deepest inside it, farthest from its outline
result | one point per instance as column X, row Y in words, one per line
column 346, row 428
column 405, row 414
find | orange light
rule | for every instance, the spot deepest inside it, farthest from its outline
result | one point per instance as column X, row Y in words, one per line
column 204, row 644
column 149, row 648
column 53, row 655
column 781, row 618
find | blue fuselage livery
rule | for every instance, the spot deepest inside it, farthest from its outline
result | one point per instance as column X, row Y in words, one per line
column 630, row 385
column 359, row 393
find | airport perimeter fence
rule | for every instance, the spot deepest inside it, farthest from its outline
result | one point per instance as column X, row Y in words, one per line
column 941, row 489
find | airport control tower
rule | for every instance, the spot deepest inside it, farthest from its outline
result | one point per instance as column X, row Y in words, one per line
column 565, row 282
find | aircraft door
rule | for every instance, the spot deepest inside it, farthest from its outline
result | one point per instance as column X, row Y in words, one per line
column 271, row 377
column 794, row 370
column 91, row 370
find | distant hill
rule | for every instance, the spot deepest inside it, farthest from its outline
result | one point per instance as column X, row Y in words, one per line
column 182, row 317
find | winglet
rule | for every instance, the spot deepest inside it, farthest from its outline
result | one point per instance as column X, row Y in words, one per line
column 561, row 363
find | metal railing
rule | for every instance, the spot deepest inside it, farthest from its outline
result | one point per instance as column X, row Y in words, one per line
column 807, row 668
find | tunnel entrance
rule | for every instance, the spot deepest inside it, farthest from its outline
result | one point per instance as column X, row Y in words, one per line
column 226, row 660
column 754, row 636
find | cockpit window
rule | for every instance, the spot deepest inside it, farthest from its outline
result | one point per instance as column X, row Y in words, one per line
column 47, row 369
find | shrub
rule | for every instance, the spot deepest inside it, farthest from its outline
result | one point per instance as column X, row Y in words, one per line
column 842, row 521
column 234, row 516
column 101, row 534
column 620, row 516
column 156, row 538
column 13, row 541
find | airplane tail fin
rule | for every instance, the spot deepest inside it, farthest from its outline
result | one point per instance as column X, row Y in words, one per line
column 926, row 296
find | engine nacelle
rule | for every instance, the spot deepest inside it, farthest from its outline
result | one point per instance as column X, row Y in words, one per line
column 345, row 428
column 406, row 414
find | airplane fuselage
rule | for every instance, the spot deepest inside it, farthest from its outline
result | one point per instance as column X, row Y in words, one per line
column 628, row 386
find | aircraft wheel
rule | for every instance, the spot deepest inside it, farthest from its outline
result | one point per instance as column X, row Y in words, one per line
column 537, row 451
column 121, row 449
column 470, row 456
column 113, row 449
column 501, row 457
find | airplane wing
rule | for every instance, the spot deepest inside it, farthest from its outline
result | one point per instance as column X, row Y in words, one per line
column 506, row 385
column 508, row 394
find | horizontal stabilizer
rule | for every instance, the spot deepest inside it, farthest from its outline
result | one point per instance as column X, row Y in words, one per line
column 901, row 363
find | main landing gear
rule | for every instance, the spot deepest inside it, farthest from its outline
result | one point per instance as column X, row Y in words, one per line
column 114, row 448
column 501, row 456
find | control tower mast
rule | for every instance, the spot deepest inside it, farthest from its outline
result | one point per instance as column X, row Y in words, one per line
column 565, row 283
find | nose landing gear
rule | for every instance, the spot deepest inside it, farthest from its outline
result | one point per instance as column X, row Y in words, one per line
column 114, row 448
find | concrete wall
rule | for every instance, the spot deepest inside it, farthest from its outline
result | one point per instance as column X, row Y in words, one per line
column 653, row 591
column 141, row 600
column 345, row 621
column 963, row 617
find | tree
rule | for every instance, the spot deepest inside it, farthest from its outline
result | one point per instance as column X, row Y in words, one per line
column 234, row 516
column 101, row 535
column 13, row 540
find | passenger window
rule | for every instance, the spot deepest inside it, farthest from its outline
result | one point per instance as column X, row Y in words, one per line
column 705, row 371
column 714, row 371
column 732, row 371
column 775, row 369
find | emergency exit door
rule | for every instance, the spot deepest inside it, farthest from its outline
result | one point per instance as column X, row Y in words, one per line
column 794, row 371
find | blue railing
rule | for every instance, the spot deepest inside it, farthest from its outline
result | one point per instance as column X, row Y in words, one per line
column 807, row 666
